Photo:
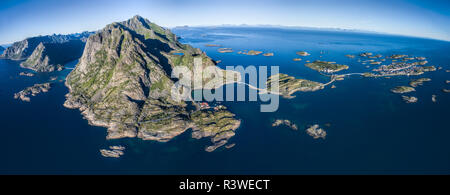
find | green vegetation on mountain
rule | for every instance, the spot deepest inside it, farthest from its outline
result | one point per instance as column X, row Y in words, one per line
column 123, row 82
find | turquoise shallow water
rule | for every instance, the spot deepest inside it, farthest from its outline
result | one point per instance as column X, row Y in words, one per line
column 370, row 129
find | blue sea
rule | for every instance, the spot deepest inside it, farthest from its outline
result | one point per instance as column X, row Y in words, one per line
column 369, row 129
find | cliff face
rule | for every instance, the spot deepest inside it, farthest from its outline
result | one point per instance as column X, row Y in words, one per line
column 21, row 50
column 48, row 57
column 123, row 82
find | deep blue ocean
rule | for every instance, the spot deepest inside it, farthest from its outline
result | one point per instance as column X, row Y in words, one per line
column 370, row 131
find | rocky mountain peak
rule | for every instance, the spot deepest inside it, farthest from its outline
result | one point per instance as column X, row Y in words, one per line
column 21, row 50
column 123, row 82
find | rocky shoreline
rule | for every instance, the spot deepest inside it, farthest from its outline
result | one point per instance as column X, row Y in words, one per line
column 288, row 85
column 28, row 74
column 418, row 82
column 302, row 53
column 409, row 99
column 123, row 86
column 113, row 152
column 287, row 123
column 316, row 132
column 24, row 95
column 402, row 89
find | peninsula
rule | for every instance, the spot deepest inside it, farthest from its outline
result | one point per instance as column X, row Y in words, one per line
column 123, row 83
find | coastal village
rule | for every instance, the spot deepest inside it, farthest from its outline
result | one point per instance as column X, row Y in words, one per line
column 211, row 119
column 400, row 65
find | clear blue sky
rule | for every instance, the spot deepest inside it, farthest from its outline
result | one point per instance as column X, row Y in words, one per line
column 426, row 18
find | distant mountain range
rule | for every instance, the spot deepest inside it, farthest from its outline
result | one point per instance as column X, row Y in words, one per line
column 278, row 26
column 46, row 53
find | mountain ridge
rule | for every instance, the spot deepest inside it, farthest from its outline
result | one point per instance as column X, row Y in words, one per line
column 21, row 50
column 47, row 53
column 123, row 82
column 48, row 57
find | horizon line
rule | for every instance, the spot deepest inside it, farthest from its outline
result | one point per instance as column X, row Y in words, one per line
column 311, row 28
column 258, row 25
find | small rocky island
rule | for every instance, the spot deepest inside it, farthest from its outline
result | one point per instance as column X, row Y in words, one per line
column 402, row 89
column 303, row 53
column 230, row 145
column 253, row 53
column 212, row 45
column 225, row 50
column 409, row 99
column 113, row 152
column 417, row 82
column 326, row 67
column 366, row 54
column 288, row 85
column 27, row 74
column 287, row 123
column 433, row 98
column 350, row 56
column 268, row 54
column 33, row 91
column 316, row 132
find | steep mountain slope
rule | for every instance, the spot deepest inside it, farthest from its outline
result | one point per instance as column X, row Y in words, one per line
column 21, row 50
column 123, row 82
column 48, row 57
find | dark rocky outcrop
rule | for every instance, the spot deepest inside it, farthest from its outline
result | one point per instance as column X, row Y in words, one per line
column 48, row 57
column 21, row 50
column 47, row 53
